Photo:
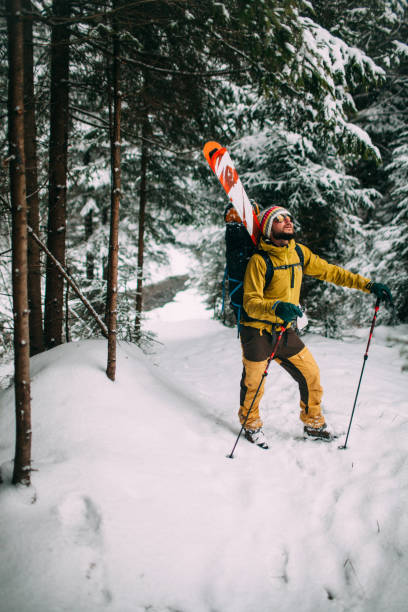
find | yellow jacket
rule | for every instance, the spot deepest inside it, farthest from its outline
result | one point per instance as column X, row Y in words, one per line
column 286, row 283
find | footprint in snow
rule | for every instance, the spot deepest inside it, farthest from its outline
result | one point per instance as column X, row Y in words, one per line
column 82, row 523
column 79, row 514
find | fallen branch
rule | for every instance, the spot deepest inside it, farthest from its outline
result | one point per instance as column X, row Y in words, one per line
column 70, row 282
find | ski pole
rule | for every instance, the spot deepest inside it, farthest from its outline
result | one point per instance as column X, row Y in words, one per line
column 377, row 306
column 271, row 356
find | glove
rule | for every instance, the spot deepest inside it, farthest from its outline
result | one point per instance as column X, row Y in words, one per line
column 381, row 291
column 287, row 311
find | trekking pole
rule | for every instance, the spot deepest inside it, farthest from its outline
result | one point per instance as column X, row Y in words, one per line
column 377, row 306
column 271, row 356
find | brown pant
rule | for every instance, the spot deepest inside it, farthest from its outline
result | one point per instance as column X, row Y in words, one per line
column 295, row 358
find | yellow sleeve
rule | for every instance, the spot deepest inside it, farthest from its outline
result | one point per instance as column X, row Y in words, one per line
column 254, row 302
column 319, row 268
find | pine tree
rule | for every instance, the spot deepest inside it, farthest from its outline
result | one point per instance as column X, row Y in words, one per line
column 391, row 241
column 58, row 151
column 30, row 145
column 381, row 28
column 115, row 137
column 22, row 459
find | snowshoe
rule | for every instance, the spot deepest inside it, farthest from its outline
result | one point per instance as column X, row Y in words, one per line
column 318, row 433
column 256, row 436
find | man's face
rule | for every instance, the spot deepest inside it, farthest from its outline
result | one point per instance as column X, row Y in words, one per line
column 282, row 228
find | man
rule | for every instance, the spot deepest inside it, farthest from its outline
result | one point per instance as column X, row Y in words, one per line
column 266, row 309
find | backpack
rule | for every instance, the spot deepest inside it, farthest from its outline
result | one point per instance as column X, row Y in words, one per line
column 239, row 249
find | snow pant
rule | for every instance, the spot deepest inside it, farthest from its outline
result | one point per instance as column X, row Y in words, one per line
column 294, row 357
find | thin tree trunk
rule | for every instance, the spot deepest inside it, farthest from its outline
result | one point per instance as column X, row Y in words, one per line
column 54, row 295
column 112, row 292
column 30, row 147
column 142, row 218
column 22, row 459
column 90, row 259
column 67, row 336
column 105, row 220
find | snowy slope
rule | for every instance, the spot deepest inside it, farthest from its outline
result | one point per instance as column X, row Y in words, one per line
column 136, row 507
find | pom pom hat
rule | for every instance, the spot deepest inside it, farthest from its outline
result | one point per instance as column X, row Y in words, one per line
column 267, row 216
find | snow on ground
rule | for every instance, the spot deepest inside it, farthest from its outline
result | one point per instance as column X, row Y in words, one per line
column 135, row 507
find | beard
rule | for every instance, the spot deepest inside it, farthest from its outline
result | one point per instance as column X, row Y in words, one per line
column 282, row 235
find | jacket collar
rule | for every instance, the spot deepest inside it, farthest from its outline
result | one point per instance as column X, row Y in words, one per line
column 276, row 251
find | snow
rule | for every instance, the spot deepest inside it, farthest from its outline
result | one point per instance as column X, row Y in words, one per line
column 134, row 505
column 90, row 206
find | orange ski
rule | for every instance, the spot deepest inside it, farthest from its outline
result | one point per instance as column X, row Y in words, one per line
column 220, row 162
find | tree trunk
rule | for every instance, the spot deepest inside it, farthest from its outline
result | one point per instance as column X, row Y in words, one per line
column 22, row 459
column 67, row 335
column 112, row 292
column 33, row 212
column 90, row 259
column 54, row 295
column 105, row 219
column 142, row 217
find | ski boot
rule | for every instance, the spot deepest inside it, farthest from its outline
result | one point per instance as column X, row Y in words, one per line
column 319, row 433
column 256, row 436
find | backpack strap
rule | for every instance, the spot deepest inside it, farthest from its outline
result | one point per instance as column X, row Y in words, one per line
column 269, row 267
column 268, row 278
column 239, row 285
column 299, row 251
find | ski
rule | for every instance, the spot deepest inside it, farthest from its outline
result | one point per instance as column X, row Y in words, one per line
column 221, row 164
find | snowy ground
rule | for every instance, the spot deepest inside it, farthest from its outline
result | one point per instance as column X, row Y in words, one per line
column 135, row 507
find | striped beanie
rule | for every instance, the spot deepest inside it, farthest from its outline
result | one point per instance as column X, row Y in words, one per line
column 267, row 216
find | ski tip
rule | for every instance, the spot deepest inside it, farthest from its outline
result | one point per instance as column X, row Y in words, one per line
column 210, row 148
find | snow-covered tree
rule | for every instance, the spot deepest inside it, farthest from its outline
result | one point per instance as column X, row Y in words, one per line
column 391, row 238
column 381, row 29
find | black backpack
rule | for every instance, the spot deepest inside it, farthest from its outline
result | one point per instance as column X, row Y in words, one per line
column 239, row 250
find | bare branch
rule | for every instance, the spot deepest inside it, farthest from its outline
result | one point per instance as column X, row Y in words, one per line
column 70, row 282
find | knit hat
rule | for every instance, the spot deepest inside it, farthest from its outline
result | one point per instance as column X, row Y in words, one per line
column 267, row 216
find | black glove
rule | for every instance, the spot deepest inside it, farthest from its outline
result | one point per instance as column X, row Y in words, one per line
column 287, row 311
column 381, row 291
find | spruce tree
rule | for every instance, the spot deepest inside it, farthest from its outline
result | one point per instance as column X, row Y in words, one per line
column 115, row 142
column 381, row 29
column 57, row 189
column 22, row 459
column 32, row 187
